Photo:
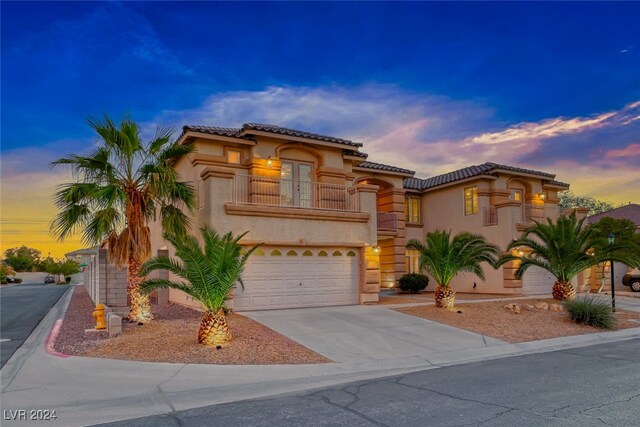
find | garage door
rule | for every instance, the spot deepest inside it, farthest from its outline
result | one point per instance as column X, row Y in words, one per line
column 277, row 277
column 537, row 281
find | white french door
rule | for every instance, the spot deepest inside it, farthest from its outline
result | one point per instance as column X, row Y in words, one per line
column 296, row 186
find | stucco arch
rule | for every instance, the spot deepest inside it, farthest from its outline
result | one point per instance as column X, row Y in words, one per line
column 519, row 184
column 380, row 182
column 298, row 151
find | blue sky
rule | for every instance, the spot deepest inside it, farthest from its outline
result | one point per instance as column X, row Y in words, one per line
column 429, row 86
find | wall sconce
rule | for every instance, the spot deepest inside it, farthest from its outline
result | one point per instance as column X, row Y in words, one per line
column 520, row 253
column 269, row 162
column 541, row 195
column 375, row 249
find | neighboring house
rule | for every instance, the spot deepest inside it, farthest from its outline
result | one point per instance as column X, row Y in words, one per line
column 82, row 256
column 596, row 276
column 334, row 225
column 630, row 212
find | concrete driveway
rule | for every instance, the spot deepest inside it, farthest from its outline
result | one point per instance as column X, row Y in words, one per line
column 358, row 333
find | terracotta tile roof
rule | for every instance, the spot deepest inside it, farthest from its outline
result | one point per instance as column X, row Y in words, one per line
column 630, row 212
column 383, row 167
column 248, row 127
column 520, row 170
column 559, row 183
column 214, row 130
column 413, row 183
column 355, row 153
column 488, row 168
column 298, row 133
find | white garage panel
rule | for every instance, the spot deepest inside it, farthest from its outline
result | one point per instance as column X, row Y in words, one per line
column 298, row 277
column 537, row 281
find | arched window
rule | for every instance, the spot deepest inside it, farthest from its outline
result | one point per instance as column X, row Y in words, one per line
column 322, row 253
column 307, row 253
column 351, row 253
column 336, row 253
column 292, row 253
column 276, row 252
column 258, row 252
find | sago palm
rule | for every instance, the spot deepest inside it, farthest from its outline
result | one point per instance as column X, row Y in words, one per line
column 443, row 257
column 120, row 188
column 207, row 274
column 564, row 248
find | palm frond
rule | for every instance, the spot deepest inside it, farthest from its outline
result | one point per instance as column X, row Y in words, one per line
column 210, row 271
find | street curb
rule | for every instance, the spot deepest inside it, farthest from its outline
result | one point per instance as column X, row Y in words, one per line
column 51, row 340
column 33, row 341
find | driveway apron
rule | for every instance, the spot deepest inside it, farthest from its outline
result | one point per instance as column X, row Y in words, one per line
column 352, row 333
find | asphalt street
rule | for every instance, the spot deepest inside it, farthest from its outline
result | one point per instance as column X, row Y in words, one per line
column 596, row 385
column 22, row 307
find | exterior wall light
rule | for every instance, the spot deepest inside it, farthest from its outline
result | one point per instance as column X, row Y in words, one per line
column 269, row 162
column 375, row 249
column 520, row 253
column 541, row 195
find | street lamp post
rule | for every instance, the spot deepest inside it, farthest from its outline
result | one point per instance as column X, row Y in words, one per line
column 612, row 240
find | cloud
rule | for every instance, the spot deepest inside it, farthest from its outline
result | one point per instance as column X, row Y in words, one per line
column 429, row 134
column 435, row 134
column 631, row 150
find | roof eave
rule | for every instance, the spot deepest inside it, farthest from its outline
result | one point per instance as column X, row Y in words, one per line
column 193, row 134
column 408, row 174
column 349, row 147
column 541, row 175
column 460, row 181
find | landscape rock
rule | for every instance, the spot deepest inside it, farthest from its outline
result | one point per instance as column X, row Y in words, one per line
column 541, row 305
column 529, row 307
column 556, row 308
column 514, row 308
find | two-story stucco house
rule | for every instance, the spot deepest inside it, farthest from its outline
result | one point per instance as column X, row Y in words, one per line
column 334, row 225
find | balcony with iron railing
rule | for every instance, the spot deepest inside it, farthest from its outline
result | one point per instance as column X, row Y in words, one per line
column 295, row 194
column 522, row 215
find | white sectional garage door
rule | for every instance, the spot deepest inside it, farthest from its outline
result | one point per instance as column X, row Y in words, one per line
column 537, row 281
column 291, row 277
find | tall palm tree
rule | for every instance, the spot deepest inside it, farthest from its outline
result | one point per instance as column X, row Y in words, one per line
column 120, row 188
column 443, row 257
column 565, row 248
column 208, row 275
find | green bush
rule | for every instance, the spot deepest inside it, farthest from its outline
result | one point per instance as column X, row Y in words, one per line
column 413, row 282
column 67, row 279
column 591, row 311
column 18, row 280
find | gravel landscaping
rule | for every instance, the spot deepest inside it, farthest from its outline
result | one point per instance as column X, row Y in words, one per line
column 494, row 320
column 172, row 337
column 427, row 297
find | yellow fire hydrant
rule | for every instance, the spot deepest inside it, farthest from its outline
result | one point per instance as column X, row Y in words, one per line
column 99, row 316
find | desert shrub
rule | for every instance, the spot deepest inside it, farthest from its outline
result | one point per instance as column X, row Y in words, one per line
column 591, row 311
column 18, row 280
column 413, row 282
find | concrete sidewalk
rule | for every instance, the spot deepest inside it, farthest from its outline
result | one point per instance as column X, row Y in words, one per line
column 86, row 391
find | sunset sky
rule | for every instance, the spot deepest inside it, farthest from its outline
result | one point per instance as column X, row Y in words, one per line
column 427, row 86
